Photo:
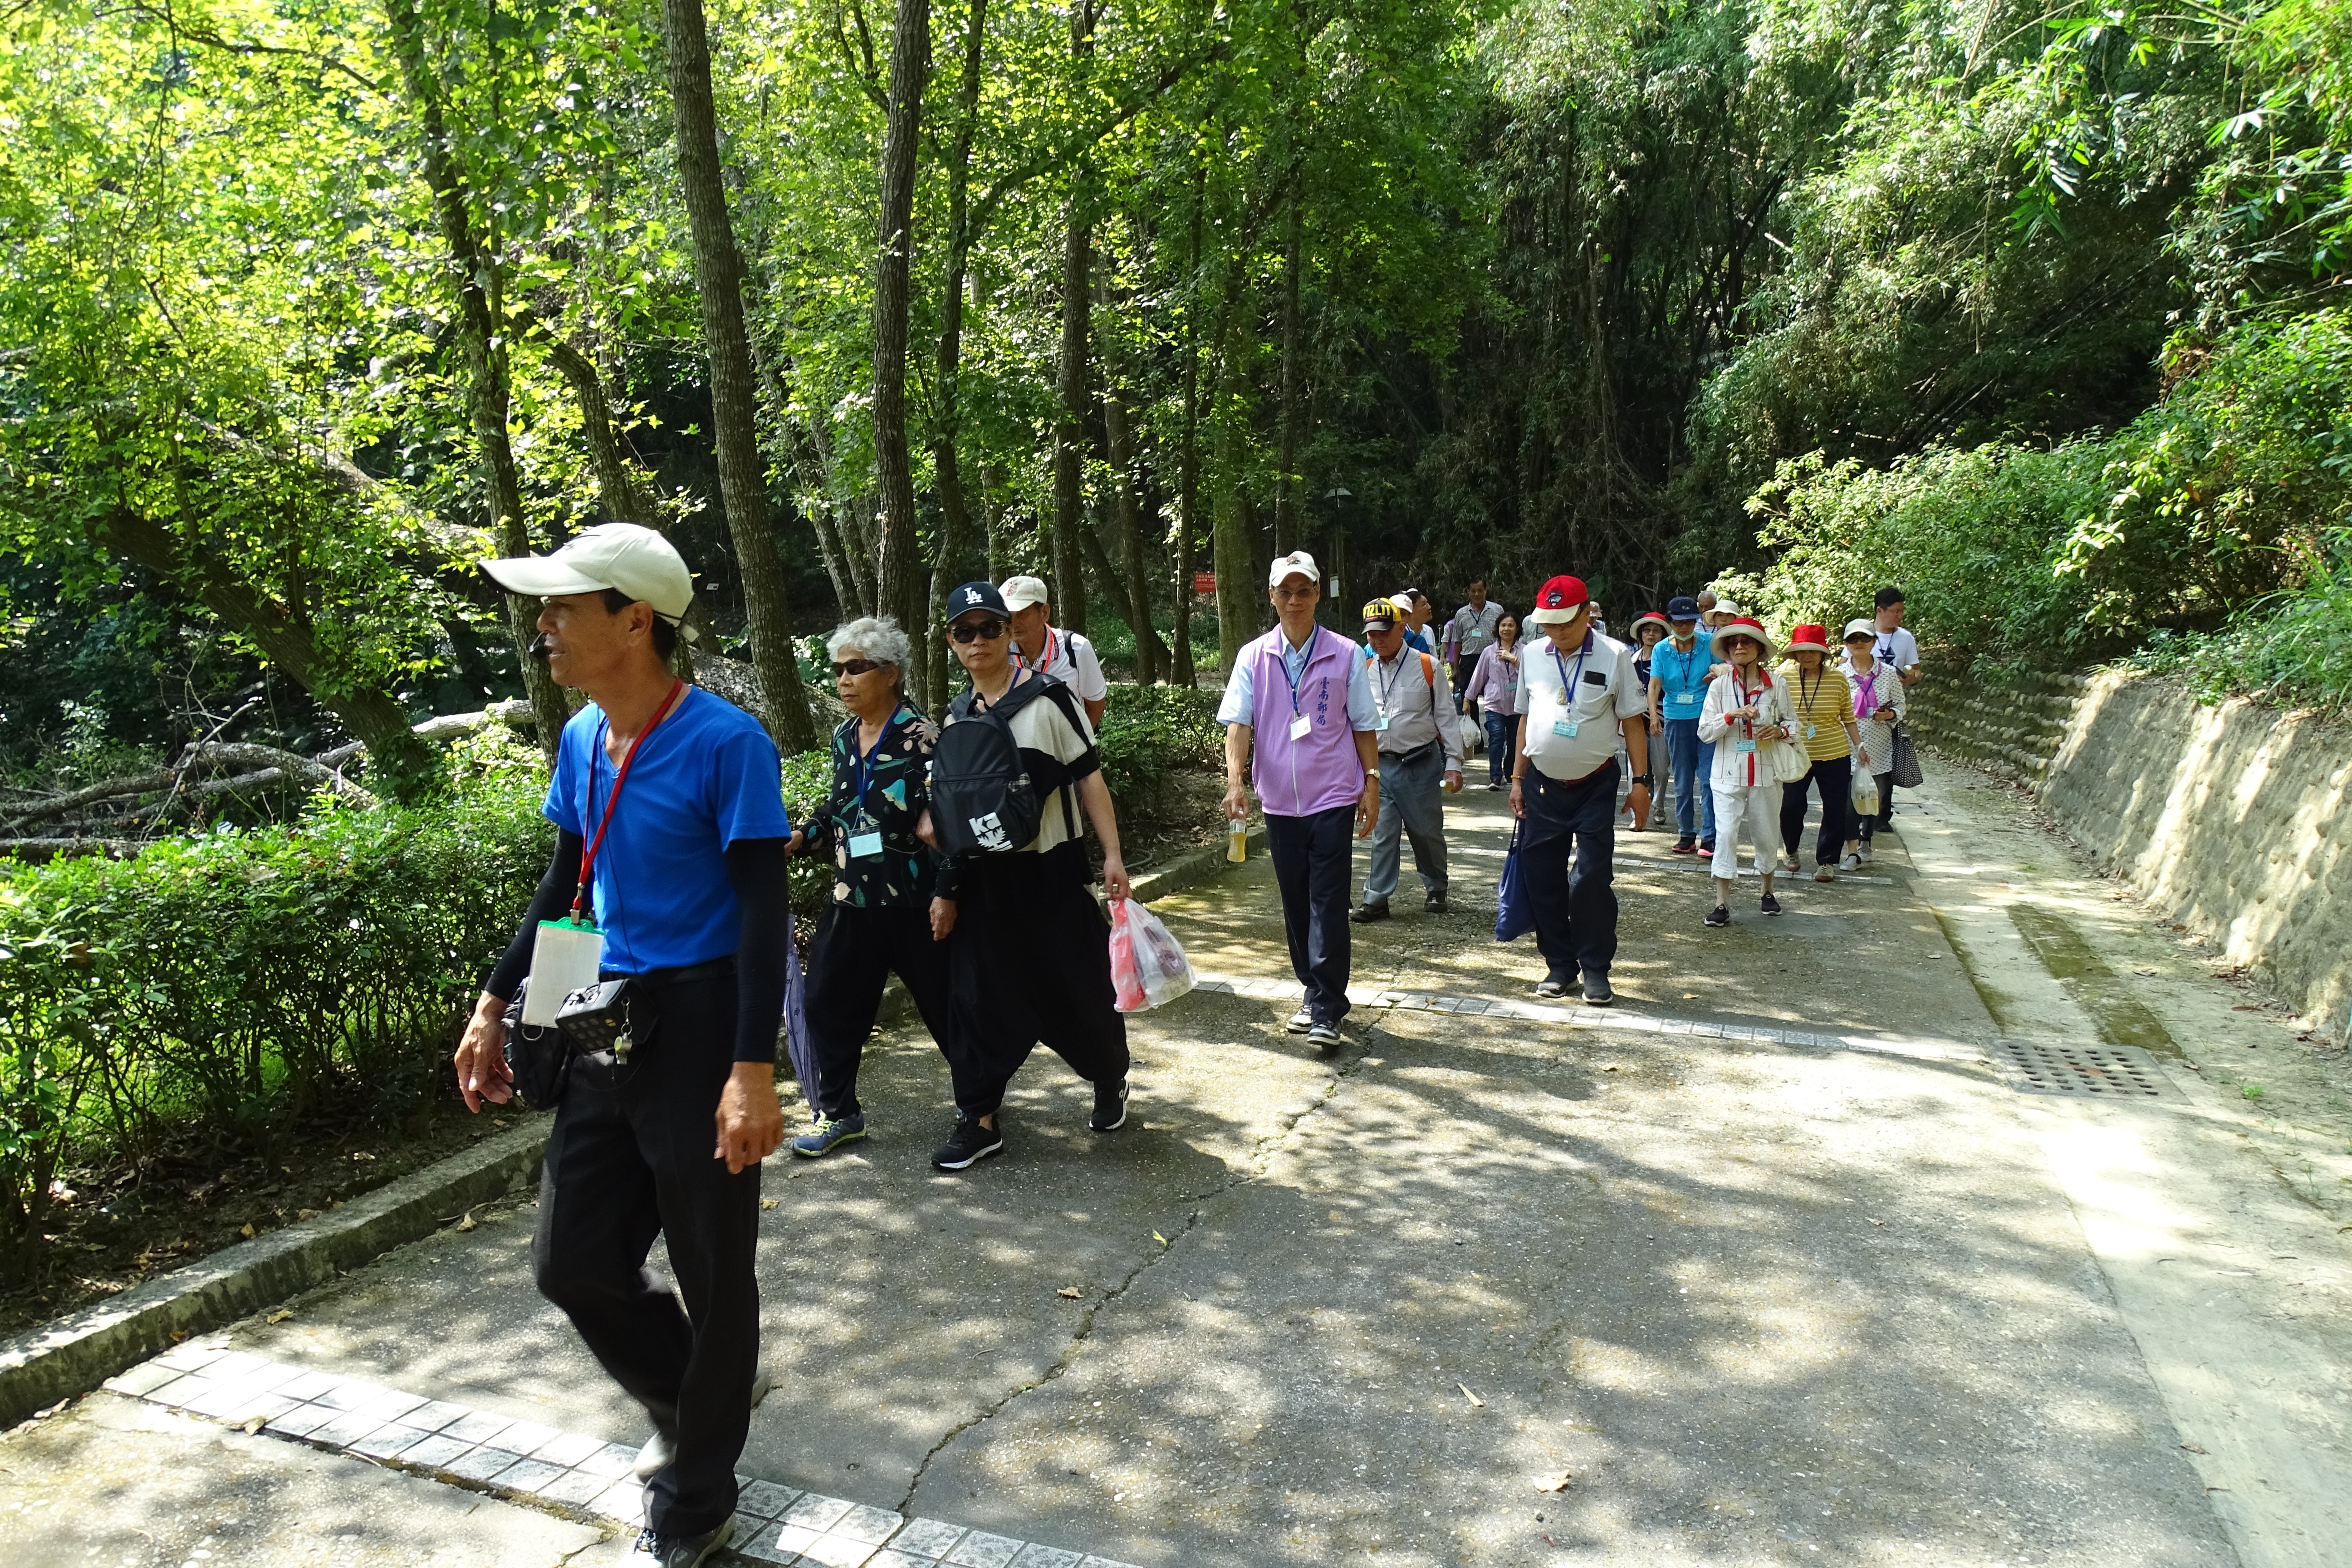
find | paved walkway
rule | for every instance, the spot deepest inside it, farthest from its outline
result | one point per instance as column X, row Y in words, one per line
column 1770, row 1263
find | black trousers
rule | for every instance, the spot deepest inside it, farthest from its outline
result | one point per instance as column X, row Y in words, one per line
column 1575, row 904
column 629, row 1158
column 1029, row 964
column 855, row 952
column 1313, row 868
column 1834, row 779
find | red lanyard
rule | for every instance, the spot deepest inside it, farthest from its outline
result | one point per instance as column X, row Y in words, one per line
column 620, row 777
column 1041, row 666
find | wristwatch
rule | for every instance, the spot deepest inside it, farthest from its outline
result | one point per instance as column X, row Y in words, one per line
column 1642, row 779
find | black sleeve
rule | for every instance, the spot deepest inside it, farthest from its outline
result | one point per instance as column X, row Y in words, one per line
column 756, row 868
column 554, row 897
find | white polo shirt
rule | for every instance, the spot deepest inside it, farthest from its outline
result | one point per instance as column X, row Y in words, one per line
column 1069, row 657
column 1606, row 691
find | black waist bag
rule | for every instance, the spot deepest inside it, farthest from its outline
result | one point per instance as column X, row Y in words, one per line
column 983, row 800
column 539, row 1057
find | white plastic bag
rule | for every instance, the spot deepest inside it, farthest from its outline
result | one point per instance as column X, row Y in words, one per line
column 1865, row 794
column 1147, row 967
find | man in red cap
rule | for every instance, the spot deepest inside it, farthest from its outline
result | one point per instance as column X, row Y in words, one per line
column 1579, row 695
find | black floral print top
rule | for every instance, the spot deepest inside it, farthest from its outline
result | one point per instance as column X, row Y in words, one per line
column 895, row 795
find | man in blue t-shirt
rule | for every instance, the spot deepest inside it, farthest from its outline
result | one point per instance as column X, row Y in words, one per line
column 670, row 839
column 1678, row 667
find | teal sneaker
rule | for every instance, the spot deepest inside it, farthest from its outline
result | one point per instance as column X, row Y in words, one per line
column 829, row 1133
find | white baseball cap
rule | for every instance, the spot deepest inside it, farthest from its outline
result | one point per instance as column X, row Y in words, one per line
column 1020, row 592
column 623, row 556
column 1297, row 564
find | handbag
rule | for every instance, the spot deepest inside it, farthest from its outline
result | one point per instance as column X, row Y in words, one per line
column 1906, row 759
column 1789, row 764
column 538, row 1058
column 1515, row 914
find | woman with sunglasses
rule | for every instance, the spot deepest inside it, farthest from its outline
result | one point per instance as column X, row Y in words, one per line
column 1746, row 713
column 1030, row 960
column 888, row 915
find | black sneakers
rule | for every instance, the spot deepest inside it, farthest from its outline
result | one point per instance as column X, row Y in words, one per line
column 1435, row 904
column 1110, row 1107
column 1365, row 914
column 1770, row 905
column 1718, row 916
column 681, row 1551
column 1596, row 991
column 968, row 1145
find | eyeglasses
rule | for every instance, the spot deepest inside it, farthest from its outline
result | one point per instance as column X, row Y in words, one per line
column 976, row 631
column 854, row 667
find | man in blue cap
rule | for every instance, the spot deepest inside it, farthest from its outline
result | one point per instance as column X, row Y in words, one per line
column 1678, row 667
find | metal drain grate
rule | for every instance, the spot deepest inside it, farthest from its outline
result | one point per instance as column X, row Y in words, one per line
column 2103, row 1072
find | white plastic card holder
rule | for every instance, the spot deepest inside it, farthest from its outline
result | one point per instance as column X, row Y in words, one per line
column 1743, row 746
column 1566, row 727
column 563, row 958
column 862, row 845
column 1301, row 726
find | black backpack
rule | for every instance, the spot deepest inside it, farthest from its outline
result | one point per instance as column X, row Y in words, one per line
column 983, row 800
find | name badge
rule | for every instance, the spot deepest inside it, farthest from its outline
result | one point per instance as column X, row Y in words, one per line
column 1381, row 723
column 1565, row 727
column 1811, row 732
column 1743, row 746
column 564, row 958
column 1301, row 726
column 864, row 844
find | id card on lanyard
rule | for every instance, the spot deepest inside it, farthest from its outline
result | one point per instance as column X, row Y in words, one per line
column 1566, row 728
column 869, row 843
column 1301, row 726
column 568, row 954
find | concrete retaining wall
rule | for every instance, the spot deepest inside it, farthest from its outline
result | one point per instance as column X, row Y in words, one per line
column 2229, row 819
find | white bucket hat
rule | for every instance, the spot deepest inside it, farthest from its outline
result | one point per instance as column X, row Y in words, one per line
column 623, row 556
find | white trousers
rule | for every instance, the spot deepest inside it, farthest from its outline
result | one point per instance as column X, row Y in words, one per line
column 1758, row 806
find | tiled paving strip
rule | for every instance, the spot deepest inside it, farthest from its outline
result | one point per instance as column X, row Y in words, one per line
column 525, row 1461
column 1583, row 1017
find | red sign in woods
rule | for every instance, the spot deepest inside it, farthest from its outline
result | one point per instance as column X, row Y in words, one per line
column 1205, row 581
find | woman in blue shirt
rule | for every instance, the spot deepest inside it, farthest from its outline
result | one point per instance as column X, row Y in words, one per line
column 1679, row 674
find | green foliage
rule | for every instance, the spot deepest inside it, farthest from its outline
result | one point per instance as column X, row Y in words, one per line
column 239, row 978
column 1150, row 732
column 2229, row 502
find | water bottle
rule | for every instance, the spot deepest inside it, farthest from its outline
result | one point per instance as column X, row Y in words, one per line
column 1237, row 839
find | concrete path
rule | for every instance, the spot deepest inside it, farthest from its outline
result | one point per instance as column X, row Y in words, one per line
column 1767, row 1265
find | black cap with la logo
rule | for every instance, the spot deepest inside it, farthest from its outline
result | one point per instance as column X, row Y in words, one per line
column 973, row 596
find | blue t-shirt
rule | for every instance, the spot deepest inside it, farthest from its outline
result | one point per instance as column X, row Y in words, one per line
column 1683, row 676
column 706, row 776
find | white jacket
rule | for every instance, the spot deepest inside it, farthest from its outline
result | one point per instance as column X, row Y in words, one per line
column 1735, row 769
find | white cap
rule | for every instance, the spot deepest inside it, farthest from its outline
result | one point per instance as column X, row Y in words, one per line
column 1020, row 592
column 1297, row 564
column 1860, row 626
column 623, row 556
column 1726, row 609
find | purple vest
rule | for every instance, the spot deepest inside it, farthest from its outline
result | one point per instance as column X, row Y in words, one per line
column 1301, row 777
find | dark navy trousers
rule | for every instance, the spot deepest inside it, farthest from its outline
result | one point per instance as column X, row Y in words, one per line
column 1313, row 865
column 1568, row 848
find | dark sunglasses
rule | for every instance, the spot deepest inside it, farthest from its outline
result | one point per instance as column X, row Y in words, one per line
column 976, row 631
column 854, row 667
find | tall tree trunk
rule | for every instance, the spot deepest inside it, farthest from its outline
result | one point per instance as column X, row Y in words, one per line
column 999, row 527
column 1188, row 459
column 718, row 280
column 898, row 571
column 1127, row 528
column 482, row 340
column 1070, row 429
column 955, row 516
column 1285, row 478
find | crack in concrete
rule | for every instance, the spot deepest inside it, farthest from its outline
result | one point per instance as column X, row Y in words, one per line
column 1255, row 1169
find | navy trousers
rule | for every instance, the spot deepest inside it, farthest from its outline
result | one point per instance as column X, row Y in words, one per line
column 1312, row 866
column 1575, row 903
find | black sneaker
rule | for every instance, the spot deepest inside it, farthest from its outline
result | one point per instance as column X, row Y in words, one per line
column 968, row 1145
column 1110, row 1107
column 1550, row 989
column 681, row 1551
column 1684, row 847
column 1365, row 914
column 1718, row 916
column 1706, row 847
column 1596, row 991
column 1435, row 904
column 1770, row 905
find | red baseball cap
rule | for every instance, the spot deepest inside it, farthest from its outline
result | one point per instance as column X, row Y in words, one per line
column 1558, row 601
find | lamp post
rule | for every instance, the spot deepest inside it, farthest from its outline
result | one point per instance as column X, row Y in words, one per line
column 1334, row 562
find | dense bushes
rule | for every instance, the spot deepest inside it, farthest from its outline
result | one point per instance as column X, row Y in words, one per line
column 240, row 978
column 2223, row 510
column 1150, row 732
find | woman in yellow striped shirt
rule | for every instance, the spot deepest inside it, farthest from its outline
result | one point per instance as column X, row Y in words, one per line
column 1824, row 702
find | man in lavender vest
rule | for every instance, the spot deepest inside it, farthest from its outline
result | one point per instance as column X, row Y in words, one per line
column 1301, row 693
